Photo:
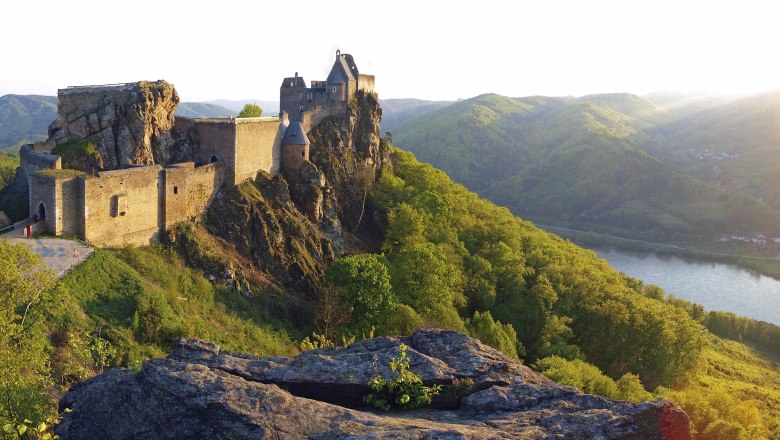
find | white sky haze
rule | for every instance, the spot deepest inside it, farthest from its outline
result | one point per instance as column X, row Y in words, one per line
column 422, row 49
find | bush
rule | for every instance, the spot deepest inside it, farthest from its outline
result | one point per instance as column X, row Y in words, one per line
column 590, row 379
column 499, row 336
column 154, row 320
column 406, row 391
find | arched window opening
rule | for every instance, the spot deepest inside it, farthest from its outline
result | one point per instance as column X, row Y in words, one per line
column 213, row 159
column 41, row 211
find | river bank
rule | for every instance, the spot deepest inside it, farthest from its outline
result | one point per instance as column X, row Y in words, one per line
column 709, row 251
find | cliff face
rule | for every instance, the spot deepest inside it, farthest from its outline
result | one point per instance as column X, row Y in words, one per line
column 129, row 124
column 349, row 153
column 200, row 391
column 291, row 225
column 263, row 224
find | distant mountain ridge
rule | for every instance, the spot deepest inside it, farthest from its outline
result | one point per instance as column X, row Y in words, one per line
column 25, row 119
column 397, row 111
column 589, row 162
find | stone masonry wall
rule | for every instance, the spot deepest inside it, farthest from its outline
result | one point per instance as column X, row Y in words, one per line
column 257, row 147
column 123, row 206
column 174, row 193
column 70, row 206
column 366, row 83
column 216, row 137
column 188, row 190
column 43, row 190
column 202, row 184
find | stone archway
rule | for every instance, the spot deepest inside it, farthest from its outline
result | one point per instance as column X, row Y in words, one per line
column 41, row 211
column 213, row 159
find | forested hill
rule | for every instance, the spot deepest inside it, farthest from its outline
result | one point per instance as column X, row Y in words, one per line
column 732, row 144
column 24, row 119
column 586, row 161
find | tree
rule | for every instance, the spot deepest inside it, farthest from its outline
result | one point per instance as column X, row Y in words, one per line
column 250, row 111
column 331, row 311
column 25, row 286
column 499, row 336
column 421, row 278
column 365, row 284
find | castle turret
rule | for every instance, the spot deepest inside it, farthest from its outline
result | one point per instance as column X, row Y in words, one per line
column 295, row 147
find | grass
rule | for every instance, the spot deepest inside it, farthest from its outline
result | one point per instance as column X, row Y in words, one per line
column 734, row 382
column 78, row 153
column 64, row 173
column 107, row 288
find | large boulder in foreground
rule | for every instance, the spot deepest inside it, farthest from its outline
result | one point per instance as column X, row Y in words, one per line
column 200, row 391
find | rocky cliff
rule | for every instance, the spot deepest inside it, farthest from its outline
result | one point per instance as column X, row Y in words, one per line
column 259, row 219
column 348, row 153
column 200, row 391
column 128, row 123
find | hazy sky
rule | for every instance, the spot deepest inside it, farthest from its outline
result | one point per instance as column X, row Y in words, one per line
column 431, row 50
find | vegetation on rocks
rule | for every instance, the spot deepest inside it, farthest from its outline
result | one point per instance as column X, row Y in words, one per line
column 80, row 155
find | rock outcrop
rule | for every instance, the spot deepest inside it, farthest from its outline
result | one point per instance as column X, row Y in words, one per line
column 128, row 123
column 200, row 391
column 259, row 219
column 349, row 153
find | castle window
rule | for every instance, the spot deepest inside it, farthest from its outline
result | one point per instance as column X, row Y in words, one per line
column 334, row 90
column 300, row 95
column 213, row 159
column 303, row 153
column 118, row 205
column 176, row 190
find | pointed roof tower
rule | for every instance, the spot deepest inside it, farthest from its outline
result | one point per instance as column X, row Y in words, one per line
column 344, row 69
column 294, row 135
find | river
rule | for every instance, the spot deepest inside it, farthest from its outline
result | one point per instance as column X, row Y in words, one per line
column 716, row 286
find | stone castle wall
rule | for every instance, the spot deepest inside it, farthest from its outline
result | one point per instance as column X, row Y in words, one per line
column 123, row 206
column 321, row 100
column 241, row 147
column 366, row 83
column 258, row 147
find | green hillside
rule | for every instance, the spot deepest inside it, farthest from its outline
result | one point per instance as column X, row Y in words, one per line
column 397, row 111
column 25, row 119
column 450, row 260
column 734, row 145
column 8, row 166
column 582, row 162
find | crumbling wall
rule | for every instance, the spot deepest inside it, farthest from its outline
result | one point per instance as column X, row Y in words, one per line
column 188, row 190
column 123, row 206
column 174, row 192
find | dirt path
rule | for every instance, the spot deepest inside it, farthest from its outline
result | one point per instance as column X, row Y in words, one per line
column 60, row 255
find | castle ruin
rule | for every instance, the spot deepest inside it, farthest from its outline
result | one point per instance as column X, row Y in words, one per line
column 148, row 170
